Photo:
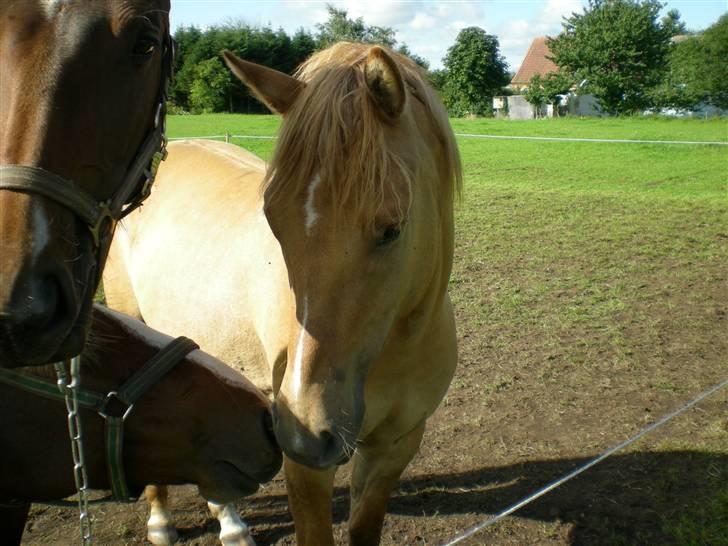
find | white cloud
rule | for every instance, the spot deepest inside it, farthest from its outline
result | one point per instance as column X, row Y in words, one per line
column 458, row 25
column 384, row 13
column 555, row 10
column 422, row 20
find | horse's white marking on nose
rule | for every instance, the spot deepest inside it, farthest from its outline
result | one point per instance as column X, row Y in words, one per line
column 52, row 6
column 41, row 228
column 298, row 359
column 310, row 207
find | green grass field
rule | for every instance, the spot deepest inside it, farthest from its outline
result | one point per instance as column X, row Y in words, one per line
column 589, row 264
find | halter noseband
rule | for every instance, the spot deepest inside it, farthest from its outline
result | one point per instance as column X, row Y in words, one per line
column 135, row 188
column 114, row 407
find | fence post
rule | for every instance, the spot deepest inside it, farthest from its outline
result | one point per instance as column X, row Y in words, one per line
column 227, row 137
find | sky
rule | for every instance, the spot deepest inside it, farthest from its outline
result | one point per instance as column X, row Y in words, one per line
column 428, row 27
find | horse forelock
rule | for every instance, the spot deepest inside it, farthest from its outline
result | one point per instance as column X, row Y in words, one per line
column 335, row 135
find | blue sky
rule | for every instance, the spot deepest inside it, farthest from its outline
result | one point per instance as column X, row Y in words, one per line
column 428, row 27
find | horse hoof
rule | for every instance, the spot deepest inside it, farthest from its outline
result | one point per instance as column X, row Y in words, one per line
column 238, row 538
column 162, row 535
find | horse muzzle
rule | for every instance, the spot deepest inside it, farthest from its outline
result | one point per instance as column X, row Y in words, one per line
column 316, row 445
column 44, row 320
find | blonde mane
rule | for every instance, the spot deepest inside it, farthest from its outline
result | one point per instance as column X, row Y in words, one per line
column 335, row 131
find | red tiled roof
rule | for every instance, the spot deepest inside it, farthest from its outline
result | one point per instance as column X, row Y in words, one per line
column 535, row 62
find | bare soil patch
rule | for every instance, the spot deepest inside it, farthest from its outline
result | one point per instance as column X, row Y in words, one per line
column 517, row 416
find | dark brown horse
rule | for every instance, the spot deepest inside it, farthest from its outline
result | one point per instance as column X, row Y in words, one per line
column 82, row 98
column 201, row 423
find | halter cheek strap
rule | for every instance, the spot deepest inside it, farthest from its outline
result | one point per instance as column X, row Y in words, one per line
column 135, row 188
column 114, row 407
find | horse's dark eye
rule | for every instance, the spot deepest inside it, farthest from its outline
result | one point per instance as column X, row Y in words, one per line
column 388, row 236
column 144, row 48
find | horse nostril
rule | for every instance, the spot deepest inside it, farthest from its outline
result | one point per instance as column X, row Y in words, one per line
column 330, row 446
column 43, row 305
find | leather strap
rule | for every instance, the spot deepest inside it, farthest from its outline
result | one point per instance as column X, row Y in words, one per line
column 28, row 179
column 114, row 407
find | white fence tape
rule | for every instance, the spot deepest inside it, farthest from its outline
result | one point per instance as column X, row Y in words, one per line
column 553, row 485
column 502, row 137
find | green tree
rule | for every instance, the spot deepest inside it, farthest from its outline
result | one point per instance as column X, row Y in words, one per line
column 698, row 71
column 618, row 48
column 672, row 24
column 210, row 87
column 475, row 72
column 714, row 70
column 555, row 86
column 548, row 89
column 303, row 45
column 339, row 27
column 535, row 94
column 404, row 49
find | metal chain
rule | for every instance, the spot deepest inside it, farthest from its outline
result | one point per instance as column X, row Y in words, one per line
column 76, row 435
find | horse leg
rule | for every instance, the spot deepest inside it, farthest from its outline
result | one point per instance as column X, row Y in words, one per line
column 310, row 493
column 12, row 523
column 233, row 531
column 160, row 529
column 375, row 473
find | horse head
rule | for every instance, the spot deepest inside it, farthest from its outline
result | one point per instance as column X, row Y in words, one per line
column 359, row 196
column 81, row 105
column 199, row 423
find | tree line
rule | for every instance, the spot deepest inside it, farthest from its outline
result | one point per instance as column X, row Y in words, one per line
column 622, row 52
column 618, row 50
column 203, row 83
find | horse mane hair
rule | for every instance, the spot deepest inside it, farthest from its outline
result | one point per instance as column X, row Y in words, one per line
column 337, row 132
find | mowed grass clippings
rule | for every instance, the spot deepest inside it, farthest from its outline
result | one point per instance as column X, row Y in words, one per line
column 590, row 286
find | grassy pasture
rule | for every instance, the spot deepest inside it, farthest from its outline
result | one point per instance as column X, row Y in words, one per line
column 591, row 290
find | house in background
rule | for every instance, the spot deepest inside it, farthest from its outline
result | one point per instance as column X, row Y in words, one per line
column 537, row 61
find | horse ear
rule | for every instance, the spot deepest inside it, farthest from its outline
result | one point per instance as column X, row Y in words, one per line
column 385, row 82
column 276, row 90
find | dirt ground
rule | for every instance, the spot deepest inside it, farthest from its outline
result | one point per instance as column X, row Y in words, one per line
column 531, row 400
column 515, row 418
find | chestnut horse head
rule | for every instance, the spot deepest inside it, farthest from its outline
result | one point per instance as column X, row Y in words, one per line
column 359, row 194
column 199, row 423
column 82, row 98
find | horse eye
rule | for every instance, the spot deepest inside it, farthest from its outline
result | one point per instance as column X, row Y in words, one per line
column 145, row 47
column 390, row 234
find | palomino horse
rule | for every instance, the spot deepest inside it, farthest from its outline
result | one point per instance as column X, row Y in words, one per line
column 333, row 282
column 199, row 423
column 82, row 98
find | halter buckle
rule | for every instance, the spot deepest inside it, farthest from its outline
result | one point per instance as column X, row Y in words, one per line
column 104, row 214
column 115, row 406
column 151, row 173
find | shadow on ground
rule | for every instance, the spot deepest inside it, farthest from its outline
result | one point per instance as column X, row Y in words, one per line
column 636, row 498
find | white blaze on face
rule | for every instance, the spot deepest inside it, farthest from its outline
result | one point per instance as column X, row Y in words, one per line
column 52, row 7
column 41, row 228
column 297, row 369
column 310, row 207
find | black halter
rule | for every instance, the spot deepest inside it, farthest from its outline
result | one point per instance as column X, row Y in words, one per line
column 114, row 407
column 135, row 188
